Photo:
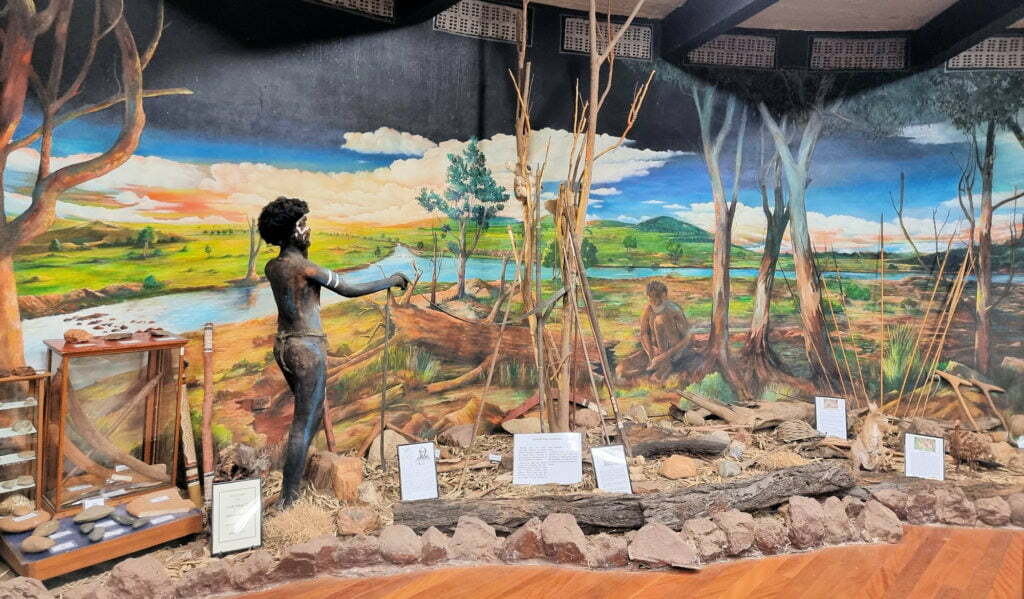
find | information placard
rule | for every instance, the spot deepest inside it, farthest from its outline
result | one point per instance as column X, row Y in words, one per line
column 543, row 458
column 417, row 471
column 237, row 521
column 611, row 469
column 924, row 456
column 830, row 416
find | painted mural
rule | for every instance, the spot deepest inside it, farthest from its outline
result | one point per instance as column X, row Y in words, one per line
column 867, row 241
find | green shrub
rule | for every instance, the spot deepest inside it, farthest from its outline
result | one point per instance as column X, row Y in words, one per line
column 222, row 436
column 713, row 386
column 901, row 357
column 151, row 284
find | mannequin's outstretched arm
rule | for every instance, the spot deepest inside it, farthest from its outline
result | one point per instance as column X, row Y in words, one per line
column 333, row 281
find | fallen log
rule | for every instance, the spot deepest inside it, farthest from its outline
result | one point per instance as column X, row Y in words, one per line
column 606, row 513
column 651, row 442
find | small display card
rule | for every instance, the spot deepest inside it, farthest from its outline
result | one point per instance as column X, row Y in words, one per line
column 237, row 521
column 543, row 458
column 417, row 471
column 830, row 416
column 925, row 456
column 611, row 469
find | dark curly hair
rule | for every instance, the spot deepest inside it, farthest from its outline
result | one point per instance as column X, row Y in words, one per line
column 656, row 287
column 278, row 218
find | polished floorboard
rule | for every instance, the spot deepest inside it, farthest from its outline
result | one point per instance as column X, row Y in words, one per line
column 929, row 562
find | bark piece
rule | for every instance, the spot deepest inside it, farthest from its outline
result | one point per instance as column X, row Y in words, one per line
column 651, row 442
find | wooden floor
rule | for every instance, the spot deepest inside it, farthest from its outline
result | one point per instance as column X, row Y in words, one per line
column 929, row 562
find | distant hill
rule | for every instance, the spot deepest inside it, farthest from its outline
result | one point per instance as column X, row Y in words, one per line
column 682, row 231
column 94, row 234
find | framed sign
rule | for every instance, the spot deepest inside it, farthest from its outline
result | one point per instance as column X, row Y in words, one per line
column 611, row 469
column 543, row 458
column 237, row 521
column 830, row 416
column 924, row 456
column 417, row 471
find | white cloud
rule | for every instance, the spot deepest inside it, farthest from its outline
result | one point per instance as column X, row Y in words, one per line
column 605, row 191
column 654, row 202
column 137, row 171
column 134, row 209
column 675, row 207
column 933, row 133
column 386, row 140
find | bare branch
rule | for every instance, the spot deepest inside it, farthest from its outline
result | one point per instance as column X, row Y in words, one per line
column 899, row 217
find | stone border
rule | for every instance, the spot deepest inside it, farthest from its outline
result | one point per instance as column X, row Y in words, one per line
column 804, row 523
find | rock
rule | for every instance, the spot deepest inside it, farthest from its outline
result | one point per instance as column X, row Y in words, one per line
column 367, row 493
column 142, row 576
column 213, row 578
column 770, row 535
column 1004, row 453
column 717, row 437
column 23, row 588
column 457, row 436
column 473, row 539
column 308, row 559
column 400, row 545
column 853, row 506
column 999, row 437
column 24, row 522
column 678, row 466
column 707, row 538
column 35, row 544
column 435, row 546
column 806, row 520
column 346, row 476
column 587, row 419
column 252, row 571
column 838, row 528
column 735, row 450
column 878, row 523
column 658, row 545
column 356, row 520
column 695, row 417
column 728, row 469
column 357, row 552
column 953, row 507
column 22, row 510
column 1017, row 425
column 921, row 507
column 1016, row 503
column 609, row 551
column 521, row 426
column 524, row 543
column 391, row 442
column 1015, row 365
column 738, row 528
column 94, row 513
column 86, row 528
column 96, row 535
column 122, row 518
column 12, row 501
column 46, row 528
column 925, row 426
column 895, row 500
column 564, row 541
column 77, row 336
column 643, row 487
column 159, row 503
column 994, row 511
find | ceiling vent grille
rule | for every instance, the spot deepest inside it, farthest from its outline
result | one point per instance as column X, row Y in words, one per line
column 637, row 43
column 736, row 51
column 473, row 18
column 377, row 8
column 858, row 54
column 1004, row 52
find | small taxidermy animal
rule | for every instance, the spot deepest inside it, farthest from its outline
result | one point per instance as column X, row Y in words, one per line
column 967, row 446
column 868, row 450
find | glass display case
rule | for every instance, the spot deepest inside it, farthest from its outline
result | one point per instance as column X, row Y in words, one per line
column 21, row 408
column 112, row 425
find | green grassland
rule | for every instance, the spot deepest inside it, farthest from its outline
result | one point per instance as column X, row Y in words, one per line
column 75, row 255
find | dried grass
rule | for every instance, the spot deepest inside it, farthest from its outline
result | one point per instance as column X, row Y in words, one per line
column 304, row 520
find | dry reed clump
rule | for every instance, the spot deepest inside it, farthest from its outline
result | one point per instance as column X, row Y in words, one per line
column 779, row 459
column 306, row 519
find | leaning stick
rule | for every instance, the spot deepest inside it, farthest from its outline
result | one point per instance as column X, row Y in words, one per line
column 856, row 354
column 207, row 431
column 842, row 348
column 188, row 447
column 384, row 377
column 881, row 310
column 590, row 371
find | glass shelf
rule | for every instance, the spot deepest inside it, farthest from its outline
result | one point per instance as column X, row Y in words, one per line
column 7, row 433
column 18, row 457
column 4, row 490
column 28, row 402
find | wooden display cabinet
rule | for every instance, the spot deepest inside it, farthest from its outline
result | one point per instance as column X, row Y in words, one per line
column 110, row 432
column 21, row 441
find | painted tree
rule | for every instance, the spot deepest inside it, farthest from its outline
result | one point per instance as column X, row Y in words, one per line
column 145, row 239
column 25, row 26
column 470, row 201
column 980, row 104
column 706, row 101
column 760, row 359
column 795, row 159
column 255, row 244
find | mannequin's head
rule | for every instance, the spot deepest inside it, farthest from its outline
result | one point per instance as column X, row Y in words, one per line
column 283, row 223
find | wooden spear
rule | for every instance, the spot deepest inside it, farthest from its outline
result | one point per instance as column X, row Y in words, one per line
column 207, row 432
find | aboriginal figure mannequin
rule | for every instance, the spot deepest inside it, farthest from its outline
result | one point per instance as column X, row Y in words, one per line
column 300, row 347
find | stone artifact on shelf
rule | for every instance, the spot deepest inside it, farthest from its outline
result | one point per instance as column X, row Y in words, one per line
column 76, row 336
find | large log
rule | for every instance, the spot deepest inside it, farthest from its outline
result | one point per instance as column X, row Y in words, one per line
column 651, row 442
column 604, row 513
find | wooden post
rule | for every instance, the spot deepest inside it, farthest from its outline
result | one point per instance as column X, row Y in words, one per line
column 207, row 432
